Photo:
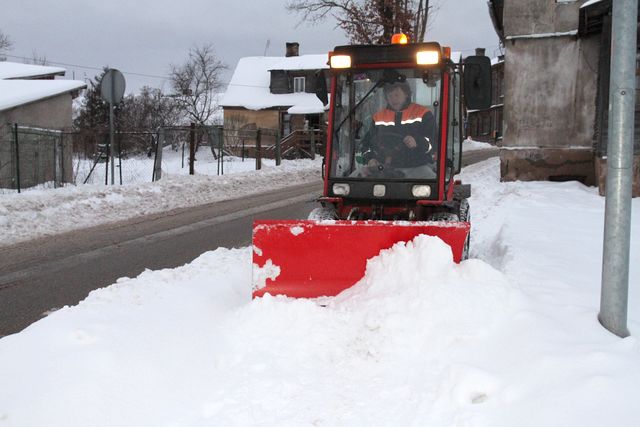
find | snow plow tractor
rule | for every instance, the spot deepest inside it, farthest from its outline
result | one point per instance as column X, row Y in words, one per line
column 393, row 148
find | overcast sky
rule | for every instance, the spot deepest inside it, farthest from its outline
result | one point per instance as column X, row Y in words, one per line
column 143, row 37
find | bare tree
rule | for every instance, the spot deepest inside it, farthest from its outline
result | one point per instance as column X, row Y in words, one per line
column 37, row 59
column 148, row 110
column 369, row 21
column 197, row 82
column 5, row 41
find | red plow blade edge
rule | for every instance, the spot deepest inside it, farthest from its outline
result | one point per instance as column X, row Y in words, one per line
column 309, row 259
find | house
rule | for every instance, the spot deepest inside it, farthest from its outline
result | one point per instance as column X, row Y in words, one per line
column 486, row 125
column 555, row 89
column 17, row 71
column 33, row 99
column 276, row 93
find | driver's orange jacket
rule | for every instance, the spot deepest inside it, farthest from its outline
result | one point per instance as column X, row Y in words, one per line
column 412, row 114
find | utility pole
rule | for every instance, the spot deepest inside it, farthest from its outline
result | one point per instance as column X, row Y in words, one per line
column 617, row 226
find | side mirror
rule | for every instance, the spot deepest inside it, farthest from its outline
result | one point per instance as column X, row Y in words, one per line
column 321, row 88
column 477, row 82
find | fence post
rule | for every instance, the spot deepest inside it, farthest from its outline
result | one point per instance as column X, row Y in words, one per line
column 313, row 144
column 106, row 165
column 120, row 154
column 192, row 148
column 278, row 153
column 218, row 159
column 220, row 131
column 15, row 134
column 258, row 150
column 61, row 154
column 157, row 161
column 55, row 164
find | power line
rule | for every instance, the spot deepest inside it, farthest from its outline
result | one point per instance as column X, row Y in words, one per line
column 88, row 67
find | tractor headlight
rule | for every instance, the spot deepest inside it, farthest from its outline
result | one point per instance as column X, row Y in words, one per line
column 379, row 190
column 421, row 191
column 341, row 189
column 428, row 57
column 340, row 61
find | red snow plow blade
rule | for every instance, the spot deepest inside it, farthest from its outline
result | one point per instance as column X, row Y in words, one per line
column 308, row 259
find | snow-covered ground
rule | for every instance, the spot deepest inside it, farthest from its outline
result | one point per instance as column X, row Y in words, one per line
column 471, row 145
column 509, row 338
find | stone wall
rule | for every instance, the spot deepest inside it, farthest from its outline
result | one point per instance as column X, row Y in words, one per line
column 550, row 93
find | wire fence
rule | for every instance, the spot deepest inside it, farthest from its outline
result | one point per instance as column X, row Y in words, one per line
column 34, row 158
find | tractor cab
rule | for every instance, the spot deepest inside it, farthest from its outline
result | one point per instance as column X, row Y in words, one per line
column 395, row 130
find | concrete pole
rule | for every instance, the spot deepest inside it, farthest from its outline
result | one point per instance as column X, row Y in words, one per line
column 617, row 227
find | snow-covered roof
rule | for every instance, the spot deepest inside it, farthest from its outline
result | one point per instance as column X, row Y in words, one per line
column 589, row 3
column 18, row 92
column 304, row 62
column 543, row 35
column 15, row 70
column 249, row 86
column 497, row 60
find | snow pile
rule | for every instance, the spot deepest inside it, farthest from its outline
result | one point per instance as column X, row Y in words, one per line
column 39, row 213
column 471, row 145
column 509, row 338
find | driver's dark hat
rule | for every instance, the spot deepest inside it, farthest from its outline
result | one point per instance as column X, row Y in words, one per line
column 402, row 85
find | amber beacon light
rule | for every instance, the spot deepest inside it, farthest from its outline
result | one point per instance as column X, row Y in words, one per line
column 399, row 38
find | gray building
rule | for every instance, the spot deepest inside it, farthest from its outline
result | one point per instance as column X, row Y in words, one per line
column 39, row 105
column 554, row 80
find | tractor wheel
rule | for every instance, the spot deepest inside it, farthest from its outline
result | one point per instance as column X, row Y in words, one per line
column 322, row 214
column 465, row 215
column 462, row 215
column 443, row 216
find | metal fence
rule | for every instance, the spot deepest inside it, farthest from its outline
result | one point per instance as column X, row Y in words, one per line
column 34, row 157
column 44, row 158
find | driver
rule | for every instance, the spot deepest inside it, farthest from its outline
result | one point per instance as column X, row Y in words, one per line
column 402, row 135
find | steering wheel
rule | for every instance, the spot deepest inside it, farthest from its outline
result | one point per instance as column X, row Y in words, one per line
column 392, row 141
column 382, row 171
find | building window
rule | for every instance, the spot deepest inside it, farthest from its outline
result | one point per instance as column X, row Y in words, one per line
column 298, row 84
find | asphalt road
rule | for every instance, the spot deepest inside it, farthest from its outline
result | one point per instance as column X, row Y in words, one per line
column 40, row 276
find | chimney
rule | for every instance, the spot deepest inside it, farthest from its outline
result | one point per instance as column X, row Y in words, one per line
column 292, row 49
column 479, row 51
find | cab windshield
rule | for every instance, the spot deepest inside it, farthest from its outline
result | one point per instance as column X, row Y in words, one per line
column 386, row 124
